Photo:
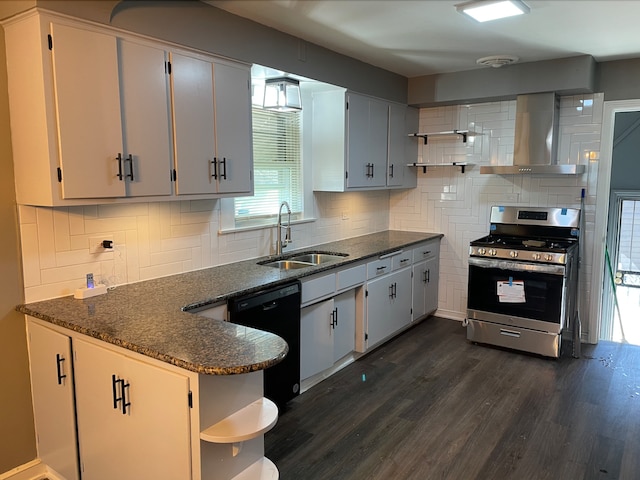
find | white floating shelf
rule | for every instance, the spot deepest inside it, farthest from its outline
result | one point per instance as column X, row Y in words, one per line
column 249, row 422
column 424, row 166
column 448, row 133
column 263, row 469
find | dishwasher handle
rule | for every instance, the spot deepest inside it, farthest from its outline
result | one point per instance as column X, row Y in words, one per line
column 269, row 306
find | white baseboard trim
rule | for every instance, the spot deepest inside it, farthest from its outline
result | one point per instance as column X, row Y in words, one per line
column 32, row 470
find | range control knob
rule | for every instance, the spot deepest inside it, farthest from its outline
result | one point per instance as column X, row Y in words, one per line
column 548, row 257
column 482, row 251
column 493, row 252
column 513, row 254
column 537, row 256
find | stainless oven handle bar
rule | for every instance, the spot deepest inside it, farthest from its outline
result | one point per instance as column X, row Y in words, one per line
column 517, row 266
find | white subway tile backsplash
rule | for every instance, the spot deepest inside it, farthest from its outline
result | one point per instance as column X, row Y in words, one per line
column 30, row 254
column 463, row 214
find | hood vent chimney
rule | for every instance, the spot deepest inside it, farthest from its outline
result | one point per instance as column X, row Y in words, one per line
column 536, row 138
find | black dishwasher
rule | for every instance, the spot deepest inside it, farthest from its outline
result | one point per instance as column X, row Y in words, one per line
column 275, row 310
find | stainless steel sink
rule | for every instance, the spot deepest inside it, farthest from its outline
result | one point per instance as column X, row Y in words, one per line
column 287, row 264
column 317, row 258
column 303, row 260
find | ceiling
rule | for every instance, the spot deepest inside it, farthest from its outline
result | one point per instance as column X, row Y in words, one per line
column 424, row 37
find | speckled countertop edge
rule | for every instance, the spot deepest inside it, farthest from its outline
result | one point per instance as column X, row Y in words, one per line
column 148, row 317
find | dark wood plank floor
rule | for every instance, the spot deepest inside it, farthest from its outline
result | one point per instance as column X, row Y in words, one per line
column 431, row 405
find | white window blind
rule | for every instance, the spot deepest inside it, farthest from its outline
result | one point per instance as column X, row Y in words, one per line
column 277, row 167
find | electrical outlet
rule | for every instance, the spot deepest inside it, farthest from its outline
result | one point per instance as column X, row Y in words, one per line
column 95, row 244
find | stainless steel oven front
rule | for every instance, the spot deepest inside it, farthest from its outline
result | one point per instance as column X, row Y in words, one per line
column 517, row 304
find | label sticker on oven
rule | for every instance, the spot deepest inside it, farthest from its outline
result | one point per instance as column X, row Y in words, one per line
column 511, row 291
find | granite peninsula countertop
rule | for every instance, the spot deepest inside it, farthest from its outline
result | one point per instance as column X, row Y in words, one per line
column 149, row 317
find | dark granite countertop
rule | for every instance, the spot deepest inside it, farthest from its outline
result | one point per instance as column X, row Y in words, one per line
column 149, row 318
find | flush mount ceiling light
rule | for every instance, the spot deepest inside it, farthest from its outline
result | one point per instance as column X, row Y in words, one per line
column 497, row 61
column 282, row 94
column 486, row 10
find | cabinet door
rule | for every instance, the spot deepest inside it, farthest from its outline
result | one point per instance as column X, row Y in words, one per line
column 419, row 289
column 344, row 332
column 367, row 140
column 358, row 162
column 53, row 400
column 396, row 163
column 150, row 440
column 234, row 150
column 316, row 338
column 378, row 140
column 85, row 67
column 144, row 89
column 431, row 286
column 402, row 148
column 401, row 299
column 378, row 309
column 194, row 124
column 388, row 305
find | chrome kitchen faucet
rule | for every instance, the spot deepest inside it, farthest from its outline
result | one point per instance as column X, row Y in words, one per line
column 280, row 244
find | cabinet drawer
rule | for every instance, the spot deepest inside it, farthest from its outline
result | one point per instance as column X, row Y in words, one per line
column 377, row 268
column 401, row 260
column 318, row 287
column 351, row 276
column 426, row 251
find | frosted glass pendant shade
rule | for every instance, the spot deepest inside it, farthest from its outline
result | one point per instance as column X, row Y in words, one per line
column 282, row 94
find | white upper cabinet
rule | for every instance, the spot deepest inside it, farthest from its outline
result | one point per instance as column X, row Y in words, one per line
column 359, row 143
column 212, row 115
column 402, row 149
column 87, row 98
column 91, row 117
column 146, row 111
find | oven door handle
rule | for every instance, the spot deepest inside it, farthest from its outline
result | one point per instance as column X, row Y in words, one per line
column 517, row 266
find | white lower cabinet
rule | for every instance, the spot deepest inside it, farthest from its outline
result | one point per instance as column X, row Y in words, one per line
column 388, row 305
column 53, row 401
column 137, row 418
column 327, row 333
column 133, row 418
column 425, row 279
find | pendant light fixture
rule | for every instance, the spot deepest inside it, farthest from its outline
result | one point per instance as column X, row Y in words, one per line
column 282, row 94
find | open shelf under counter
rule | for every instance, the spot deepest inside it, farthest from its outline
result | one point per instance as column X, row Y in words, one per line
column 424, row 166
column 263, row 469
column 247, row 423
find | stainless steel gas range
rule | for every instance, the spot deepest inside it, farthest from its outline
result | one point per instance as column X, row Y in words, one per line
column 523, row 279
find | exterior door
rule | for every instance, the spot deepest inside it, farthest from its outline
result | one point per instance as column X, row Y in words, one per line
column 620, row 319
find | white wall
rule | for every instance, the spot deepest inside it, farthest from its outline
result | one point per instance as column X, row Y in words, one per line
column 164, row 238
column 458, row 204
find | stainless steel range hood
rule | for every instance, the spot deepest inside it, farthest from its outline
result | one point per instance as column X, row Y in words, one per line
column 536, row 139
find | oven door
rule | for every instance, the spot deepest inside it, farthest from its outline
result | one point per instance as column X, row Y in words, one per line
column 517, row 293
